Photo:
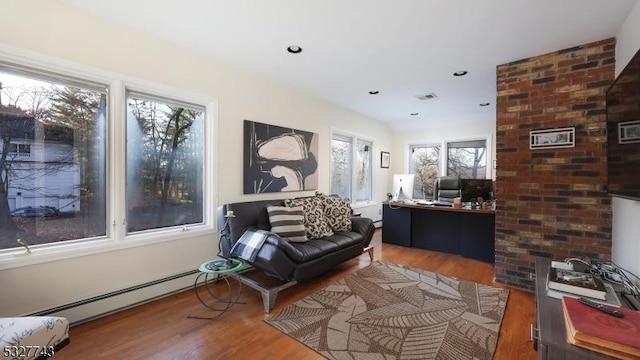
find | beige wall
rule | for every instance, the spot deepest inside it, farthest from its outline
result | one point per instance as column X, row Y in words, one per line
column 52, row 29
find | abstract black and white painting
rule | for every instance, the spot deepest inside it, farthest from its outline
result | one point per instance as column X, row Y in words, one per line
column 278, row 159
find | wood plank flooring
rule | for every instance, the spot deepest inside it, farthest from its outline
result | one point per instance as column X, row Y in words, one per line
column 161, row 329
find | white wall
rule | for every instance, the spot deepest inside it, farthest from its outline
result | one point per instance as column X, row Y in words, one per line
column 626, row 242
column 54, row 29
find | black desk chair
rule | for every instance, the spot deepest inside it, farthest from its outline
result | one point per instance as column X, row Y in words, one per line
column 446, row 189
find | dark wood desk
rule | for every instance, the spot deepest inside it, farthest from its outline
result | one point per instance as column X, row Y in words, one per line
column 466, row 232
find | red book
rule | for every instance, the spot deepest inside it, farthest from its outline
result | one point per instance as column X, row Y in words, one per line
column 598, row 331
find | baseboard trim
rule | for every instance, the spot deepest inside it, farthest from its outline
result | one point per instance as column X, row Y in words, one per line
column 94, row 299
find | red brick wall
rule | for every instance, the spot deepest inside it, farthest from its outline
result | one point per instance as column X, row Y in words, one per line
column 552, row 202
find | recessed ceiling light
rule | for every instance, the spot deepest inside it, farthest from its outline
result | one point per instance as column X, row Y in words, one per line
column 485, row 104
column 374, row 92
column 414, row 114
column 294, row 49
column 428, row 96
column 460, row 73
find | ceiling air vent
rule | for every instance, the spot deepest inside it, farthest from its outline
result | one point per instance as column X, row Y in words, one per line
column 428, row 96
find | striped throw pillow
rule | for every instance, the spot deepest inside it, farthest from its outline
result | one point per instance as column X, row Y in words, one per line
column 288, row 222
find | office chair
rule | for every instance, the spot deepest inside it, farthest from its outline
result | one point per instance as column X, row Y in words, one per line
column 446, row 189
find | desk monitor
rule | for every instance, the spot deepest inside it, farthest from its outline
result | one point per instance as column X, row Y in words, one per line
column 402, row 187
column 474, row 188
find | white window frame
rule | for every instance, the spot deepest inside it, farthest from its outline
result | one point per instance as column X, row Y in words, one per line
column 423, row 145
column 116, row 237
column 444, row 151
column 354, row 149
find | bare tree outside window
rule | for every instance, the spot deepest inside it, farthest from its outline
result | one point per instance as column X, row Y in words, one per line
column 424, row 162
column 341, row 156
column 363, row 171
column 352, row 168
column 165, row 144
column 52, row 161
column 467, row 159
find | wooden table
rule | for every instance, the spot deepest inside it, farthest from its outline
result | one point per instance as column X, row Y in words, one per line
column 551, row 332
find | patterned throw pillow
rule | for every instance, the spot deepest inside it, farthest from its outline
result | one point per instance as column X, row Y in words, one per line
column 288, row 222
column 314, row 221
column 337, row 211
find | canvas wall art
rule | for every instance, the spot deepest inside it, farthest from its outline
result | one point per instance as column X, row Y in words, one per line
column 278, row 159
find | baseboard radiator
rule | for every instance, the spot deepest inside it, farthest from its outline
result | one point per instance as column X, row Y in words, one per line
column 95, row 307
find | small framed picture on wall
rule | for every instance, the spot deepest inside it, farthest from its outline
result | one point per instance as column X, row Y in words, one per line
column 552, row 138
column 629, row 132
column 385, row 159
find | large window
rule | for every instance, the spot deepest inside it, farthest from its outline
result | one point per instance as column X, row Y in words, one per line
column 52, row 160
column 165, row 144
column 351, row 168
column 55, row 151
column 424, row 162
column 467, row 159
column 341, row 160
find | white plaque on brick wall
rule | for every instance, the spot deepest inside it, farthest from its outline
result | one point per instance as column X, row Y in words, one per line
column 552, row 138
column 629, row 132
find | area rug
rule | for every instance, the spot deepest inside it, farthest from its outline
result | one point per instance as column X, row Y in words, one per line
column 388, row 311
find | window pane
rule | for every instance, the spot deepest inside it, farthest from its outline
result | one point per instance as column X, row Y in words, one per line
column 165, row 144
column 52, row 165
column 467, row 159
column 424, row 163
column 363, row 171
column 341, row 156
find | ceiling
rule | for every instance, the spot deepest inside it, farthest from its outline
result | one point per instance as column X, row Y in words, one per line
column 401, row 48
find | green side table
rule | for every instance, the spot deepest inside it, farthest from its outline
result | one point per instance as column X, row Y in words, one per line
column 210, row 272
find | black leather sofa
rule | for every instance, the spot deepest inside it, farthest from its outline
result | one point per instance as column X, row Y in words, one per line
column 286, row 261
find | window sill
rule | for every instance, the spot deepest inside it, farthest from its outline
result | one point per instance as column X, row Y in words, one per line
column 363, row 205
column 79, row 248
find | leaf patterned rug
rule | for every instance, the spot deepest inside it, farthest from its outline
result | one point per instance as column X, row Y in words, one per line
column 387, row 311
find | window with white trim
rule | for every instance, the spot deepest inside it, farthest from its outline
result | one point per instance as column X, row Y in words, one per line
column 59, row 181
column 464, row 158
column 352, row 167
column 165, row 147
column 20, row 149
column 52, row 164
column 424, row 162
column 467, row 159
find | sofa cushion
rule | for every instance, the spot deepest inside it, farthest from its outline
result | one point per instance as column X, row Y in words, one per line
column 337, row 211
column 288, row 222
column 303, row 252
column 314, row 220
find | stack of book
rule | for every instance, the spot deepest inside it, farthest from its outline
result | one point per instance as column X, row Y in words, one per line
column 598, row 331
column 571, row 283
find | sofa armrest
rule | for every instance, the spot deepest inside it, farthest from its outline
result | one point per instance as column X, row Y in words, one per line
column 363, row 226
column 284, row 245
column 275, row 257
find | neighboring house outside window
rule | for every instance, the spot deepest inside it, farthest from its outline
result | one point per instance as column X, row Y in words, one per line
column 54, row 161
column 352, row 167
column 52, row 165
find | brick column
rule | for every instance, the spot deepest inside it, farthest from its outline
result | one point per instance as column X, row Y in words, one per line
column 552, row 202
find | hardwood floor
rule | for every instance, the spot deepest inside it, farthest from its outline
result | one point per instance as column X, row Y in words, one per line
column 161, row 329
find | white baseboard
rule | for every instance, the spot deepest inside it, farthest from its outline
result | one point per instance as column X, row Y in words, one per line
column 92, row 308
